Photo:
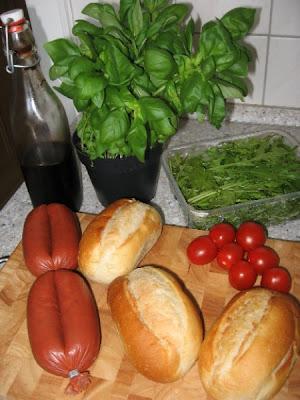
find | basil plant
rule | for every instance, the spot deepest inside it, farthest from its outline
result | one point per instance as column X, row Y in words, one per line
column 132, row 73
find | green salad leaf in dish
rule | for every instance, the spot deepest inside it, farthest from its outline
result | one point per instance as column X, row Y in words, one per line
column 237, row 172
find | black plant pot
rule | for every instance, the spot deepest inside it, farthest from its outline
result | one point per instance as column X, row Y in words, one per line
column 125, row 177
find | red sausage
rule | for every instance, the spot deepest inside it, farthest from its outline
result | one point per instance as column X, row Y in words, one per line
column 63, row 326
column 51, row 238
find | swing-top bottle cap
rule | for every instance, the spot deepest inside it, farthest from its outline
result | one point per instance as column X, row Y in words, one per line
column 12, row 16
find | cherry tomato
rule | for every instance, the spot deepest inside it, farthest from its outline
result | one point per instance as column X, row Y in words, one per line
column 277, row 278
column 251, row 235
column 242, row 275
column 201, row 250
column 229, row 254
column 222, row 234
column 263, row 258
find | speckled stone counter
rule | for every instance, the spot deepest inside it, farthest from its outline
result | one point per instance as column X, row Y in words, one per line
column 13, row 214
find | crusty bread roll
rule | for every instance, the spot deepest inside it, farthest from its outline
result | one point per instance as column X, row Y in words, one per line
column 252, row 347
column 117, row 239
column 160, row 326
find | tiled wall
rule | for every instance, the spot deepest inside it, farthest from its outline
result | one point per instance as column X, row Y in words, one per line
column 275, row 40
column 275, row 73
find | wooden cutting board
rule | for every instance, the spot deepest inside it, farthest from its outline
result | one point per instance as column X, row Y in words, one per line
column 113, row 376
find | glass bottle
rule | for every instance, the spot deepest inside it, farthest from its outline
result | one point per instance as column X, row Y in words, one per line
column 39, row 124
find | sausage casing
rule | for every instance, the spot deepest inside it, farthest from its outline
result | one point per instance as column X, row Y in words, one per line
column 51, row 236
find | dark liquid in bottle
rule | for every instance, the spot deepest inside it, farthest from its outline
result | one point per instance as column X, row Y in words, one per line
column 52, row 175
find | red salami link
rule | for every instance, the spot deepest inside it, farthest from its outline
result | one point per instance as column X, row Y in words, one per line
column 63, row 326
column 51, row 238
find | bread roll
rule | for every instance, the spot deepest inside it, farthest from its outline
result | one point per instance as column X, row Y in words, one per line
column 117, row 239
column 252, row 347
column 160, row 326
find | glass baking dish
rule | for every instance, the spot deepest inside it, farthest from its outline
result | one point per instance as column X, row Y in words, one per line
column 264, row 211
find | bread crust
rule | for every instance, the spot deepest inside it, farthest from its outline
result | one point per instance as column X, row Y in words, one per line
column 117, row 239
column 154, row 351
column 252, row 347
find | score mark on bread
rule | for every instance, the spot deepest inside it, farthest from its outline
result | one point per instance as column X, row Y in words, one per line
column 159, row 324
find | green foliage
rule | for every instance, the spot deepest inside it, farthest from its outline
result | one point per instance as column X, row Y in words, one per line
column 238, row 172
column 134, row 71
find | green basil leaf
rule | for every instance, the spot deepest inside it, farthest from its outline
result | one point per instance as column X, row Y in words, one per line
column 164, row 128
column 154, row 109
column 240, row 67
column 144, row 82
column 81, row 105
column 125, row 5
column 89, row 84
column 116, row 65
column 98, row 99
column 105, row 13
column 172, row 14
column 112, row 98
column 159, row 63
column 153, row 5
column 135, row 18
column 137, row 139
column 229, row 91
column 82, row 26
column 67, row 90
column 80, row 64
column 195, row 90
column 216, row 109
column 239, row 21
column 185, row 65
column 188, row 35
column 59, row 49
column 57, row 71
column 208, row 67
column 234, row 81
column 97, row 116
column 87, row 46
column 216, row 41
column 127, row 97
column 172, row 97
column 61, row 68
column 115, row 126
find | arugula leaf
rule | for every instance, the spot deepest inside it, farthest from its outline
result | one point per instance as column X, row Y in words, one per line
column 238, row 171
column 239, row 21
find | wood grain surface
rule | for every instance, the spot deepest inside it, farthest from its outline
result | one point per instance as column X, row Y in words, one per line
column 113, row 376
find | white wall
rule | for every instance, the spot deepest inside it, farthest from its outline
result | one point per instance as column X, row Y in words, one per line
column 275, row 39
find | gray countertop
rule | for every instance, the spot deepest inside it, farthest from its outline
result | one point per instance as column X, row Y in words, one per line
column 13, row 214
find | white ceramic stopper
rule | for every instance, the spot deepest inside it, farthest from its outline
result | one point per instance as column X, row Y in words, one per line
column 12, row 16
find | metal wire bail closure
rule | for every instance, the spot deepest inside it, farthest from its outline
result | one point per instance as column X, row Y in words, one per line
column 10, row 67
